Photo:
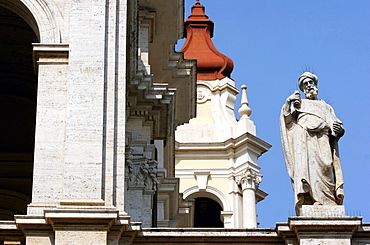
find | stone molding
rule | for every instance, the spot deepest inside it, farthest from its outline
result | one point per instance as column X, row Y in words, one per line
column 236, row 145
column 212, row 192
column 209, row 235
column 181, row 66
column 220, row 85
column 298, row 230
column 50, row 54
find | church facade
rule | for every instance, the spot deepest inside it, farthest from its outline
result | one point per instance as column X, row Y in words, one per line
column 110, row 136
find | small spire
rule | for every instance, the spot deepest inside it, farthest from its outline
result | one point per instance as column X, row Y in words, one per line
column 198, row 2
column 244, row 110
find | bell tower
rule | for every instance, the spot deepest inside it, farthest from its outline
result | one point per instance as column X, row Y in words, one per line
column 217, row 154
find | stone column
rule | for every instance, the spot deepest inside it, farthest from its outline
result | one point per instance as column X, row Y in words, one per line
column 249, row 181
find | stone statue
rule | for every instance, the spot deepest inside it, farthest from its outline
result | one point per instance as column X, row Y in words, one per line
column 309, row 133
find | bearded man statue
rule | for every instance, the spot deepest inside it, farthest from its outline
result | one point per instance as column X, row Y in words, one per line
column 310, row 132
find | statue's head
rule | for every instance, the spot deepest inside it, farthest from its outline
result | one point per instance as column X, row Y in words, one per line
column 307, row 83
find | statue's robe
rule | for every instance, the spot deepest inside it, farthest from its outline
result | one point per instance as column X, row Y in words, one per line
column 310, row 149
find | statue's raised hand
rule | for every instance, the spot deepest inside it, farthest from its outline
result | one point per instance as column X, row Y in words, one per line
column 338, row 128
column 294, row 97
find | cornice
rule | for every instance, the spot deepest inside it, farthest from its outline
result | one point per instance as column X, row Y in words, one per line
column 248, row 140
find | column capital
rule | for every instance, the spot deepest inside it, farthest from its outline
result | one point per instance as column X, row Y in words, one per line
column 141, row 172
column 249, row 179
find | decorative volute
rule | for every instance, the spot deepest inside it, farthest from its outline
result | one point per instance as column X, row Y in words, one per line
column 211, row 64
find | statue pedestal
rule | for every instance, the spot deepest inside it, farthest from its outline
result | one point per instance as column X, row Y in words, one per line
column 322, row 211
column 320, row 225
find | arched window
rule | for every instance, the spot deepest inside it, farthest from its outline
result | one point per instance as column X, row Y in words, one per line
column 18, row 95
column 207, row 213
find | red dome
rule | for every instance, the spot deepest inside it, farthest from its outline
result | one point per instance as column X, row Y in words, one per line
column 211, row 64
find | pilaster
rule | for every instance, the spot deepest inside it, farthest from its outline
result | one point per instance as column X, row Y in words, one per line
column 141, row 185
column 86, row 101
column 51, row 62
column 95, row 115
column 236, row 202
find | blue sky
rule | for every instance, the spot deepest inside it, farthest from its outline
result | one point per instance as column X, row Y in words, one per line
column 271, row 44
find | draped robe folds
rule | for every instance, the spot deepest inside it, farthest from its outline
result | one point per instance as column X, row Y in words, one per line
column 310, row 149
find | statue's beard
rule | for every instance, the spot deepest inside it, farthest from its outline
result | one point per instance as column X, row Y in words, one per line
column 311, row 93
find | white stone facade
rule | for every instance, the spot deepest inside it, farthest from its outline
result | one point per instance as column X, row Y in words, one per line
column 111, row 91
column 108, row 82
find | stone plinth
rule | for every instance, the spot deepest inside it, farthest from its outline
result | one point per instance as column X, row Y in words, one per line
column 323, row 211
column 320, row 225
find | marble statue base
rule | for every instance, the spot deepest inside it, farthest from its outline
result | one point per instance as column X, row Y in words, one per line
column 323, row 225
column 323, row 211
